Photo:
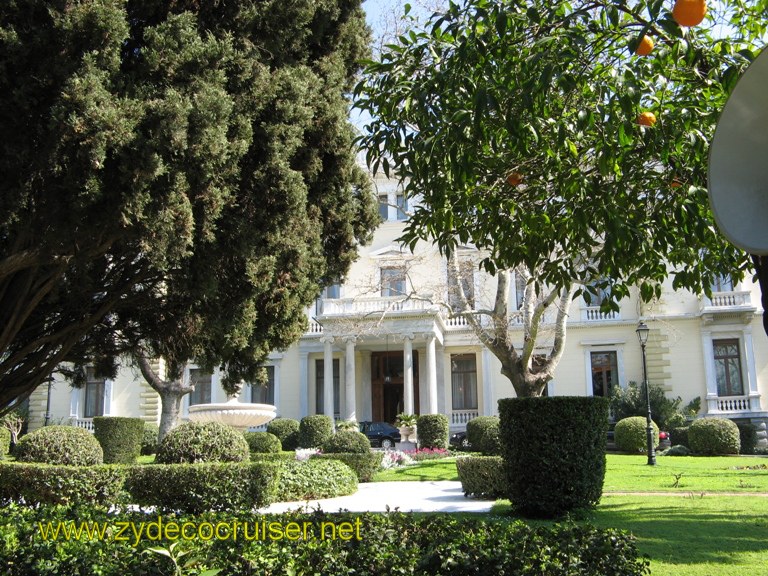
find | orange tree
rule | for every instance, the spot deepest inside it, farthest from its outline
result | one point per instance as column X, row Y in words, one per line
column 522, row 127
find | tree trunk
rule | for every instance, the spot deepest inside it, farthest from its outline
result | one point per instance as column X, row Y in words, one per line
column 171, row 392
column 761, row 267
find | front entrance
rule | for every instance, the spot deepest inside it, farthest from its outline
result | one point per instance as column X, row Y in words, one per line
column 387, row 385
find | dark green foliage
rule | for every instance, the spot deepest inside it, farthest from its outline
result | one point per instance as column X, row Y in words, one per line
column 347, row 441
column 196, row 488
column 483, row 435
column 747, row 437
column 482, row 476
column 149, row 438
column 60, row 445
column 287, row 430
column 630, row 401
column 314, row 430
column 713, row 436
column 194, row 442
column 433, row 431
column 364, row 465
column 676, row 450
column 263, row 442
column 392, row 543
column 315, row 478
column 554, row 452
column 679, row 436
column 120, row 438
column 5, row 441
column 630, row 434
column 34, row 484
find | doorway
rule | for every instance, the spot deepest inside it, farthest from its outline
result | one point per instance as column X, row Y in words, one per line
column 387, row 385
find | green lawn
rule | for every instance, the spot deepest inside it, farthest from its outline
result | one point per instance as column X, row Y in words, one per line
column 428, row 470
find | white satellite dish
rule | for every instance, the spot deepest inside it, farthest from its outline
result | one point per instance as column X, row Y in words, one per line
column 738, row 162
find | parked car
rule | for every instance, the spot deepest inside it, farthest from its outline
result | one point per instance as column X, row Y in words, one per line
column 459, row 439
column 381, row 434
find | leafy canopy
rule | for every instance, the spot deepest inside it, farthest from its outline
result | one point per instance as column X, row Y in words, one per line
column 516, row 122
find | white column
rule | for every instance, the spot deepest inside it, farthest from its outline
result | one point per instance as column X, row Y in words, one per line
column 107, row 408
column 408, row 405
column 489, row 402
column 365, row 377
column 349, row 380
column 709, row 371
column 749, row 352
column 303, row 384
column 327, row 376
column 431, row 376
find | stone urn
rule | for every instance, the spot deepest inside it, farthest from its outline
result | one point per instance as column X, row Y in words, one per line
column 407, row 433
column 233, row 413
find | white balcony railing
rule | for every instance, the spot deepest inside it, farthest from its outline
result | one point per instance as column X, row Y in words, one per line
column 86, row 423
column 733, row 404
column 463, row 416
column 728, row 300
column 357, row 306
column 594, row 314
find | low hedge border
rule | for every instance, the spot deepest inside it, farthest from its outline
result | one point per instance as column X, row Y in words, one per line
column 363, row 465
column 482, row 476
column 273, row 456
column 196, row 488
column 35, row 484
column 392, row 543
column 315, row 478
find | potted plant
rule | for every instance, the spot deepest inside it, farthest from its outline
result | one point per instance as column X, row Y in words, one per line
column 406, row 423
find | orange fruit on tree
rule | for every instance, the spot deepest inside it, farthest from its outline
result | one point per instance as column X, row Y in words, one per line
column 645, row 46
column 514, row 178
column 646, row 119
column 689, row 12
column 675, row 183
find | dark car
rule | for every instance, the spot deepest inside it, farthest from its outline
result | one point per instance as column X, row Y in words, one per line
column 459, row 439
column 381, row 434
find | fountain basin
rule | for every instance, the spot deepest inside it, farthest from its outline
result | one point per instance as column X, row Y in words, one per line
column 233, row 413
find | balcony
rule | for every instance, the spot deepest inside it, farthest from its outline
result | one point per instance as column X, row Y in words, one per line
column 594, row 314
column 368, row 306
column 727, row 306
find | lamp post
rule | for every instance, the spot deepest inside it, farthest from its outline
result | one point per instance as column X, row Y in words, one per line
column 642, row 335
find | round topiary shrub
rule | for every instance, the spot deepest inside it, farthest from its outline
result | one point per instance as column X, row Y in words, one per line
column 66, row 445
column 630, row 434
column 679, row 436
column 263, row 442
column 287, row 431
column 149, row 438
column 433, row 431
column 714, row 436
column 347, row 442
column 554, row 452
column 194, row 442
column 5, row 441
column 483, row 435
column 120, row 438
column 314, row 430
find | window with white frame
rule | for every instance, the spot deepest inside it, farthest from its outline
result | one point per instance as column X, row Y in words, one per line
column 402, row 206
column 264, row 393
column 384, row 207
column 331, row 292
column 464, row 381
column 94, row 394
column 320, row 388
column 596, row 293
column 605, row 372
column 520, row 285
column 722, row 284
column 728, row 372
column 201, row 380
column 392, row 281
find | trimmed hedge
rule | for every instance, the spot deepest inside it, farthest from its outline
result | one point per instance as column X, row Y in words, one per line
column 679, row 436
column 149, row 439
column 263, row 442
column 315, row 430
column 5, row 441
column 747, row 437
column 631, row 434
column 65, row 445
column 714, row 436
column 287, row 431
column 482, row 476
column 195, row 442
column 363, row 465
column 483, row 435
column 392, row 543
column 347, row 442
column 315, row 478
column 60, row 484
column 433, row 431
column 196, row 488
column 272, row 456
column 554, row 452
column 120, row 438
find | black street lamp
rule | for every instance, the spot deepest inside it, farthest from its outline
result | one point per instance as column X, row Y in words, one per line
column 642, row 335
